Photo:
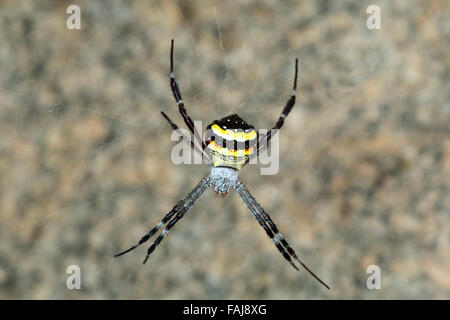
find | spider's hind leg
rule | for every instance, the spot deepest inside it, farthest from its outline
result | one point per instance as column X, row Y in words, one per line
column 264, row 140
column 187, row 139
column 289, row 104
column 179, row 100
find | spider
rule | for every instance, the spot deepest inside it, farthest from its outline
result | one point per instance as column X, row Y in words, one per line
column 230, row 144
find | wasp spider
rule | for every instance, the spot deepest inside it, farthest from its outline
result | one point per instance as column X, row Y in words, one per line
column 230, row 144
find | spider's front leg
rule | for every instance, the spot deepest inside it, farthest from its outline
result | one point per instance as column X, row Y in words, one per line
column 172, row 217
column 155, row 229
column 271, row 229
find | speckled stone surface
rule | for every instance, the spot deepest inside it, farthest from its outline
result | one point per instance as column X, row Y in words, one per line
column 85, row 166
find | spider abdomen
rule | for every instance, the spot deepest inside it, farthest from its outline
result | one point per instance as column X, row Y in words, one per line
column 230, row 141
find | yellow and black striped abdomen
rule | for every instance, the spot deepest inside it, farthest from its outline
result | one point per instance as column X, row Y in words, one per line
column 230, row 141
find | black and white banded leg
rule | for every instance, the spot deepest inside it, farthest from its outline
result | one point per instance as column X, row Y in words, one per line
column 264, row 140
column 271, row 229
column 179, row 99
column 172, row 217
column 188, row 140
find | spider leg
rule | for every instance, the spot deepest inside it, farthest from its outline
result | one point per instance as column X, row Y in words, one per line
column 179, row 99
column 183, row 207
column 166, row 218
column 163, row 233
column 289, row 104
column 252, row 205
column 179, row 210
column 188, row 139
column 263, row 141
column 269, row 226
column 291, row 251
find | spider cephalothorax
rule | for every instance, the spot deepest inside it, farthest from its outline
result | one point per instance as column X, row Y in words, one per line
column 223, row 179
column 229, row 145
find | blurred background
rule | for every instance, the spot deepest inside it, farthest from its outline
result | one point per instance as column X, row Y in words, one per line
column 85, row 167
